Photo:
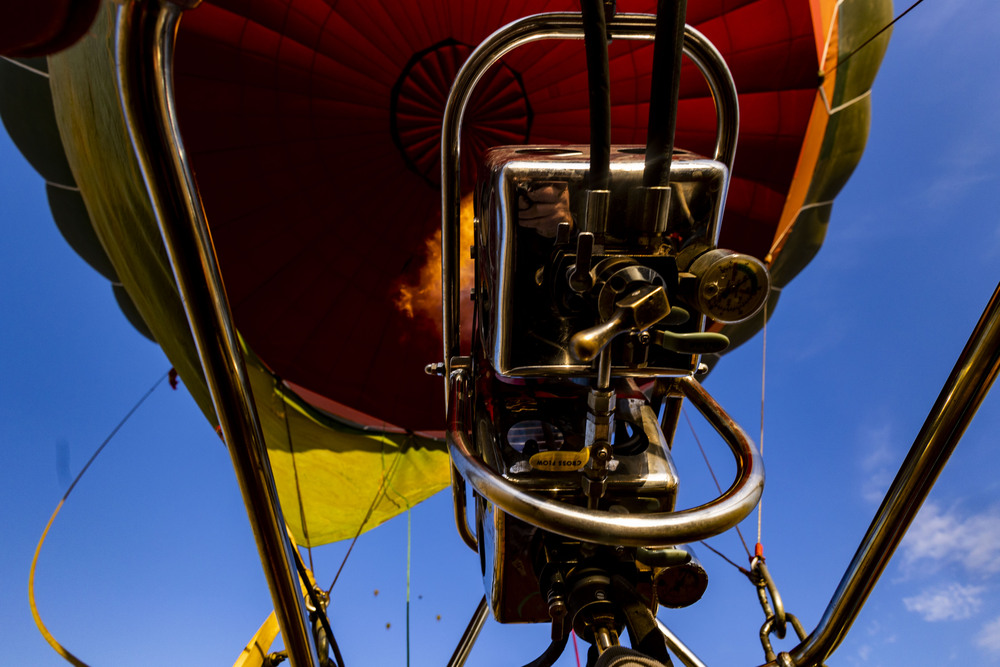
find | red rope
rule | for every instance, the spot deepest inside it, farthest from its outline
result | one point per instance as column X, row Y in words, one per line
column 575, row 648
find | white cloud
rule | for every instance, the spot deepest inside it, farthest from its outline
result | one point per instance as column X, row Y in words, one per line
column 878, row 464
column 938, row 537
column 951, row 603
column 989, row 637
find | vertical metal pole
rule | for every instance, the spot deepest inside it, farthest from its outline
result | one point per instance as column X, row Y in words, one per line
column 144, row 34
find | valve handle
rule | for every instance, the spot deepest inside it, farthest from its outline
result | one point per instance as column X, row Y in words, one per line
column 636, row 310
column 581, row 280
column 691, row 343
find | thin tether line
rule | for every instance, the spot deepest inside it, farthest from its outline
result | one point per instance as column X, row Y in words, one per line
column 18, row 63
column 868, row 41
column 409, row 514
column 295, row 474
column 725, row 558
column 59, row 648
column 714, row 478
column 371, row 508
column 763, row 370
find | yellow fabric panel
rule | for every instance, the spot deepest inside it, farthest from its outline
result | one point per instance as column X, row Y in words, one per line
column 330, row 483
column 257, row 649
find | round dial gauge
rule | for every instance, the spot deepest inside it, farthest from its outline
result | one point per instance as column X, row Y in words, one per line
column 732, row 286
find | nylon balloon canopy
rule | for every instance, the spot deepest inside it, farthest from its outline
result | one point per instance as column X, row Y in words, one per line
column 313, row 128
column 313, row 131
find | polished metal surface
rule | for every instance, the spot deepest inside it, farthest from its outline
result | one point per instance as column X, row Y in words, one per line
column 962, row 394
column 636, row 312
column 530, row 326
column 595, row 214
column 461, row 517
column 605, row 638
column 524, row 31
column 765, row 638
column 679, row 648
column 470, row 635
column 774, row 614
column 657, row 529
column 731, row 286
column 512, row 434
column 144, row 35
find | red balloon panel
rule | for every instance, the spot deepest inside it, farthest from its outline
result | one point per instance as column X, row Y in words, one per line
column 314, row 131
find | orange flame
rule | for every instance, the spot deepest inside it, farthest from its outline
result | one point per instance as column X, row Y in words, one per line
column 421, row 300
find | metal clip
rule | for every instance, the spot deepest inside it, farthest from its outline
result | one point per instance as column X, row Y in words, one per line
column 777, row 618
column 784, row 658
column 765, row 585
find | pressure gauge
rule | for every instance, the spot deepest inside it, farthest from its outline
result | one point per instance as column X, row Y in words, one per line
column 731, row 286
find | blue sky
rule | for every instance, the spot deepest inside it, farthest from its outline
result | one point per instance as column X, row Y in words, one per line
column 152, row 560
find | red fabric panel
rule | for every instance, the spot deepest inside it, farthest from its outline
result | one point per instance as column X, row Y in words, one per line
column 313, row 128
column 41, row 27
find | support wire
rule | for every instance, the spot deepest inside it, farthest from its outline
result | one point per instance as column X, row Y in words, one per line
column 871, row 39
column 760, row 444
column 714, row 479
column 59, row 648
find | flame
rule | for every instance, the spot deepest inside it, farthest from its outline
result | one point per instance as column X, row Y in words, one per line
column 420, row 300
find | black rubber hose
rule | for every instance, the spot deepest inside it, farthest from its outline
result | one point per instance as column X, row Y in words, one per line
column 320, row 613
column 551, row 654
column 595, row 36
column 664, row 91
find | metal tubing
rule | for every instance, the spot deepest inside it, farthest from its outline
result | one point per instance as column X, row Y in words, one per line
column 680, row 649
column 470, row 635
column 461, row 516
column 672, row 406
column 600, row 527
column 144, row 35
column 531, row 29
column 961, row 396
column 605, row 638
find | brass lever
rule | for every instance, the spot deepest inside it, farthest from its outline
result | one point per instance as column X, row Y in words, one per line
column 705, row 342
column 636, row 310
